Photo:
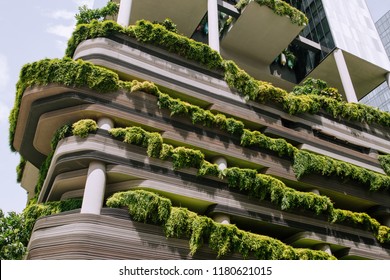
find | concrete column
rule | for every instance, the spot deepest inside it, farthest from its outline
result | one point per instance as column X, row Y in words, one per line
column 212, row 16
column 324, row 247
column 222, row 218
column 221, row 162
column 94, row 188
column 124, row 12
column 315, row 191
column 105, row 123
column 345, row 77
column 388, row 79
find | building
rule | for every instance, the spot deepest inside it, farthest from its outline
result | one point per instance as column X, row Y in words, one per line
column 380, row 97
column 297, row 181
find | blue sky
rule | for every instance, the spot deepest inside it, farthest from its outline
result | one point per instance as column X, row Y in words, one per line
column 34, row 30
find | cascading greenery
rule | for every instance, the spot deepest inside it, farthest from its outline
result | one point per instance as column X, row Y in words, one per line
column 303, row 162
column 60, row 71
column 385, row 163
column 86, row 15
column 84, row 127
column 20, row 169
column 280, row 8
column 84, row 74
column 263, row 187
column 223, row 239
column 236, row 78
column 16, row 229
column 318, row 87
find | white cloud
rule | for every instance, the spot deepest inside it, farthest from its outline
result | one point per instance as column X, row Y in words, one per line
column 88, row 3
column 61, row 14
column 4, row 112
column 4, row 72
column 61, row 30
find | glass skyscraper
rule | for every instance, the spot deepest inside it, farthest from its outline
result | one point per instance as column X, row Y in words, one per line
column 380, row 97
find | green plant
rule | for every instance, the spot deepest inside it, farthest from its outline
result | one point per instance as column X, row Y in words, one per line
column 306, row 162
column 168, row 24
column 280, row 8
column 16, row 229
column 66, row 72
column 82, row 128
column 222, row 239
column 317, row 87
column 143, row 206
column 86, row 15
column 20, row 169
column 385, row 163
column 13, row 236
column 236, row 78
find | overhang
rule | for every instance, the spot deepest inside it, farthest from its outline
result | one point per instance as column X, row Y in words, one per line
column 365, row 76
column 186, row 14
column 260, row 34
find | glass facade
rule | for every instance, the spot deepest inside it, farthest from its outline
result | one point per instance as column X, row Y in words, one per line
column 318, row 31
column 380, row 97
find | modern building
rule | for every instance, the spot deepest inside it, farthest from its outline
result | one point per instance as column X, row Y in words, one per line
column 380, row 97
column 297, row 180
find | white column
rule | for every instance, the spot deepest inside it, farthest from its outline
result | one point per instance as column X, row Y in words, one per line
column 105, row 123
column 221, row 162
column 315, row 191
column 344, row 75
column 388, row 79
column 124, row 12
column 222, row 218
column 94, row 188
column 212, row 16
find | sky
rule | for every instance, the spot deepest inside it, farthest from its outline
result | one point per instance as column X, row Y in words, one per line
column 34, row 30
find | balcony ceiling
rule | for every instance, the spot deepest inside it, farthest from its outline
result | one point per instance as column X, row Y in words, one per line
column 186, row 14
column 260, row 34
column 365, row 75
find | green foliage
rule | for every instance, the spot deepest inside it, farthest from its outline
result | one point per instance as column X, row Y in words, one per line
column 157, row 34
column 249, row 87
column 168, row 25
column 20, row 169
column 280, row 8
column 352, row 218
column 303, row 162
column 306, row 162
column 13, row 236
column 147, row 32
column 199, row 115
column 258, row 139
column 185, row 158
column 317, row 87
column 211, row 169
column 143, row 206
column 222, row 239
column 60, row 134
column 86, row 15
column 37, row 210
column 385, row 163
column 60, row 71
column 94, row 29
column 82, row 128
column 236, row 78
column 16, row 229
column 138, row 136
column 258, row 185
column 364, row 221
column 266, row 187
